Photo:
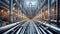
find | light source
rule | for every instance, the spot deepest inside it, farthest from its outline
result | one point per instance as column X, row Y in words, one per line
column 1, row 10
column 34, row 2
column 31, row 2
column 13, row 8
column 27, row 3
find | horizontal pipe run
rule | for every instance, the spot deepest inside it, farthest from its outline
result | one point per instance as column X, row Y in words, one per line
column 9, row 26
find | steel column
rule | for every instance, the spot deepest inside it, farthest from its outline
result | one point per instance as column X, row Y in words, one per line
column 42, row 15
column 11, row 11
column 49, row 9
column 18, row 13
column 0, row 20
column 57, row 5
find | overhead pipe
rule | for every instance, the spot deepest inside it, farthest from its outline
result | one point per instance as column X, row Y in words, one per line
column 17, row 3
column 7, row 1
column 42, row 4
column 4, row 7
column 20, row 6
column 7, row 6
column 4, row 4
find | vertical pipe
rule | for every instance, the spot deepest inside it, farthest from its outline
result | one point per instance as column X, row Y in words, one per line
column 59, row 11
column 42, row 15
column 11, row 8
column 30, row 10
column 30, row 6
column 18, row 13
column 18, row 9
column 49, row 9
column 57, row 5
column 0, row 19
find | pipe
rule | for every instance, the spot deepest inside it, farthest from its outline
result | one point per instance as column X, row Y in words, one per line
column 9, row 26
column 56, row 29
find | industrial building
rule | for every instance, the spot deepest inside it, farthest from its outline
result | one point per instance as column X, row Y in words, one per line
column 29, row 16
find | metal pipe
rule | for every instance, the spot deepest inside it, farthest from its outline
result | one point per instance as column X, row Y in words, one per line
column 54, row 28
column 11, row 29
column 49, row 9
column 42, row 30
column 11, row 11
column 38, row 31
column 9, row 26
column 4, row 4
column 58, row 11
column 18, row 31
column 3, row 7
column 24, row 27
column 47, row 30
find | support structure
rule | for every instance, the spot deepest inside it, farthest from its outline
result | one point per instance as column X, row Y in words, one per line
column 30, row 5
column 11, row 11
column 49, row 9
column 0, row 20
column 58, row 4
column 18, row 12
column 42, row 15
